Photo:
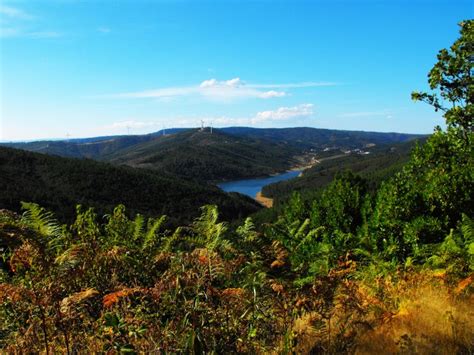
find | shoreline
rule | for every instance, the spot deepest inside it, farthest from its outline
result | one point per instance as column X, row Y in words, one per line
column 264, row 201
column 267, row 202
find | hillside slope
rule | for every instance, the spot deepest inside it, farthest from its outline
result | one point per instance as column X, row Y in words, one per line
column 229, row 153
column 60, row 183
column 382, row 162
column 201, row 155
column 318, row 138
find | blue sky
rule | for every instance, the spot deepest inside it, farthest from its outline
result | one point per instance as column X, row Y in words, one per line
column 88, row 68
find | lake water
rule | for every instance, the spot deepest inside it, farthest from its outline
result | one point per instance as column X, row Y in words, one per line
column 250, row 187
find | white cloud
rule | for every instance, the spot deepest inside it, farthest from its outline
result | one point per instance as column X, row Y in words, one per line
column 208, row 83
column 225, row 90
column 272, row 93
column 233, row 88
column 263, row 117
column 285, row 113
column 214, row 83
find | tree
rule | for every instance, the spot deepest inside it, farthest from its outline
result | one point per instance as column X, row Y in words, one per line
column 452, row 76
column 427, row 199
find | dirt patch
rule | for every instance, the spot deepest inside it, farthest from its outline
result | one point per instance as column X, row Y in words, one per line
column 264, row 201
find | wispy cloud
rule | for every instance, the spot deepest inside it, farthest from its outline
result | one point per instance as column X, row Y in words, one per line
column 133, row 124
column 43, row 34
column 15, row 22
column 211, row 89
column 382, row 113
column 104, row 30
column 9, row 32
column 260, row 118
column 307, row 84
column 15, row 13
column 221, row 90
column 6, row 32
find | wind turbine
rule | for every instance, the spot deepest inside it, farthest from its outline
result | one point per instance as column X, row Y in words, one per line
column 211, row 125
column 202, row 125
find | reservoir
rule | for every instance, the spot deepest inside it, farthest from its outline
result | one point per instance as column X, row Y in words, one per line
column 250, row 187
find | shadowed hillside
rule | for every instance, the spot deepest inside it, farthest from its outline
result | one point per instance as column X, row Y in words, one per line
column 60, row 183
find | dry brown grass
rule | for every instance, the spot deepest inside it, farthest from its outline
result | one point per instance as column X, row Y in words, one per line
column 417, row 314
column 432, row 318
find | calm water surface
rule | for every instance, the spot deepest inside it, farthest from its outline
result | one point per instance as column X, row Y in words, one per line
column 250, row 187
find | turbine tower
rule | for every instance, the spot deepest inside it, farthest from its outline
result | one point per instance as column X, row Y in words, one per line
column 202, row 125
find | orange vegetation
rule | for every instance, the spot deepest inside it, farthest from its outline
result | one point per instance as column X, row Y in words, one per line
column 418, row 314
column 264, row 201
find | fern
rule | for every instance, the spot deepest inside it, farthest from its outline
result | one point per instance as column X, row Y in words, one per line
column 209, row 232
column 44, row 223
column 138, row 227
column 150, row 239
column 40, row 220
column 247, row 230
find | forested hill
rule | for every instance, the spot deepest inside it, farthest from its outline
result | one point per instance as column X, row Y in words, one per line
column 317, row 138
column 229, row 153
column 382, row 162
column 209, row 156
column 93, row 148
column 60, row 183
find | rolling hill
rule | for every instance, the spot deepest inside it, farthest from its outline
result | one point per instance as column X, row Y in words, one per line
column 229, row 153
column 201, row 155
column 382, row 162
column 60, row 183
column 316, row 138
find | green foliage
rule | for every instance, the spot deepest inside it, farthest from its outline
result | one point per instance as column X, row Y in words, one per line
column 455, row 254
column 200, row 155
column 382, row 163
column 340, row 204
column 452, row 76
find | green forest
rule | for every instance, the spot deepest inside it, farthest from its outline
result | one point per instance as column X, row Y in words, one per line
column 364, row 262
column 58, row 184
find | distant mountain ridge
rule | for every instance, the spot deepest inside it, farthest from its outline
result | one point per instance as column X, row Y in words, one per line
column 227, row 153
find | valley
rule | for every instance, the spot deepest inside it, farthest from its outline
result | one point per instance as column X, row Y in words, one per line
column 235, row 239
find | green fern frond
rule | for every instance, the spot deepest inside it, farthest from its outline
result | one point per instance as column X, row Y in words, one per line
column 208, row 229
column 44, row 223
column 150, row 239
column 247, row 230
column 40, row 220
column 138, row 227
column 170, row 240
